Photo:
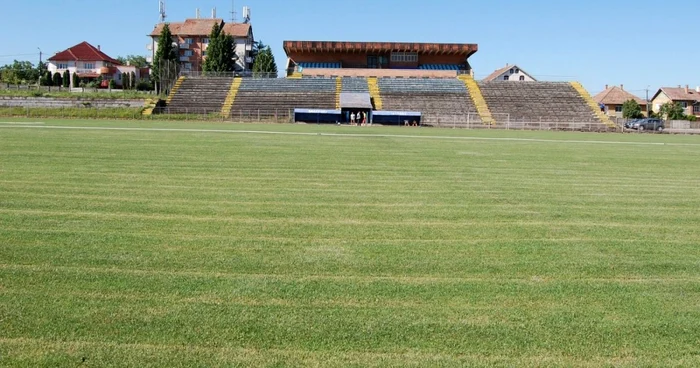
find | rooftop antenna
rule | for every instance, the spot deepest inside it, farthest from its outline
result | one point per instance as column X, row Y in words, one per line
column 161, row 10
column 233, row 11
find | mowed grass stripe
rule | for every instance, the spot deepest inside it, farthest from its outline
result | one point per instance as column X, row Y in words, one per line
column 205, row 248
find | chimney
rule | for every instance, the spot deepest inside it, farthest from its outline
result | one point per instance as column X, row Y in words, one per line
column 686, row 89
column 196, row 13
column 622, row 87
column 213, row 13
column 98, row 48
column 697, row 89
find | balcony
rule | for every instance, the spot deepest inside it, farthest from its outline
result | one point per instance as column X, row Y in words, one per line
column 184, row 58
column 184, row 46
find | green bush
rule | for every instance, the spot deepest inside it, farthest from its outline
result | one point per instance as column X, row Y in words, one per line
column 112, row 84
column 691, row 118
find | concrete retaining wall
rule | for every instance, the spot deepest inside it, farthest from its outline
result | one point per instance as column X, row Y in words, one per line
column 51, row 102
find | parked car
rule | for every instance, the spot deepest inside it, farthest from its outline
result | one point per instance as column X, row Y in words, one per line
column 646, row 124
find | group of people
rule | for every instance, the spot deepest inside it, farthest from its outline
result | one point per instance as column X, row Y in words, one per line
column 359, row 118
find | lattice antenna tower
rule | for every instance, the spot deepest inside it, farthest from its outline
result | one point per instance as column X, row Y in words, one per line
column 161, row 10
column 233, row 11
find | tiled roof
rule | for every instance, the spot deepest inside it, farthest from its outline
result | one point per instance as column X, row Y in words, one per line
column 83, row 52
column 499, row 72
column 190, row 27
column 202, row 27
column 679, row 94
column 237, row 29
column 616, row 96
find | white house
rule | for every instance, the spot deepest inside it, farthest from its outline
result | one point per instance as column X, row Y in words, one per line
column 510, row 73
column 89, row 62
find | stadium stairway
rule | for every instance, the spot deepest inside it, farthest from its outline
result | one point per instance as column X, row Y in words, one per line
column 338, row 89
column 231, row 97
column 594, row 105
column 276, row 98
column 373, row 86
column 149, row 106
column 173, row 91
column 539, row 102
column 200, row 96
column 443, row 102
column 477, row 98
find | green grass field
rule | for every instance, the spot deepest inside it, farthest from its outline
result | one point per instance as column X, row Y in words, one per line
column 179, row 245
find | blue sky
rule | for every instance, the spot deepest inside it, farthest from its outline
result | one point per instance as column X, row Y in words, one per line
column 641, row 44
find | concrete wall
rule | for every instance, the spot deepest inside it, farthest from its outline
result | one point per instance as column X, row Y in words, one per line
column 65, row 102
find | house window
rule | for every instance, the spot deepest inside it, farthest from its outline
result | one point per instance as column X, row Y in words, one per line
column 696, row 109
column 404, row 57
column 188, row 41
column 62, row 65
column 618, row 108
column 512, row 71
column 517, row 70
column 204, row 53
column 188, row 53
column 205, row 40
column 89, row 65
column 522, row 77
column 505, row 78
column 684, row 104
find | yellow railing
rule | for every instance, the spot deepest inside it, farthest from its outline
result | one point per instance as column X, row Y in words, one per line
column 177, row 85
column 295, row 75
column 479, row 102
column 338, row 89
column 373, row 86
column 594, row 105
column 231, row 97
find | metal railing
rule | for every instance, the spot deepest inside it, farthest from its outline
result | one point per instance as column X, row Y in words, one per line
column 242, row 74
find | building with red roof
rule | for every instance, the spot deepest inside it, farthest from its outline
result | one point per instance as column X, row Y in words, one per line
column 192, row 39
column 89, row 62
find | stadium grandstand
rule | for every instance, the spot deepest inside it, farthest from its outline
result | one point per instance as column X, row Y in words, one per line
column 378, row 59
column 431, row 84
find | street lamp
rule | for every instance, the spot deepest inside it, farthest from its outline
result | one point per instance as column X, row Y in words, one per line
column 41, row 65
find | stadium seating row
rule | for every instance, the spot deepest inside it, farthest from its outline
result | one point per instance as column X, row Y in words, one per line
column 442, row 101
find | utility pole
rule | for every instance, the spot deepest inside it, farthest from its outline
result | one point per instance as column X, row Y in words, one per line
column 41, row 66
column 647, row 100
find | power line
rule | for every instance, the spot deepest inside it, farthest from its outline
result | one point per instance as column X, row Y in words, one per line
column 6, row 56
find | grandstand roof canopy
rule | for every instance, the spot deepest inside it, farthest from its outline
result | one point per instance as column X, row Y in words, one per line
column 368, row 47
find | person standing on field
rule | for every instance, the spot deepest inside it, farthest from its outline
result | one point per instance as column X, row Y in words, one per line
column 352, row 118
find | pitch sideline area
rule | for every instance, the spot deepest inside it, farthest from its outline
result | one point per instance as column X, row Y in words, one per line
column 173, row 244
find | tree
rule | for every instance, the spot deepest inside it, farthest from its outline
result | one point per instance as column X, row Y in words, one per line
column 47, row 79
column 265, row 65
column 257, row 47
column 221, row 53
column 126, row 84
column 672, row 111
column 20, row 72
column 133, row 60
column 631, row 110
column 66, row 79
column 112, row 84
column 166, row 55
column 57, row 79
column 132, row 79
column 76, row 80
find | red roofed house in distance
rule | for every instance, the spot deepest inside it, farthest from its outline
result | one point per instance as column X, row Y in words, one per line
column 90, row 63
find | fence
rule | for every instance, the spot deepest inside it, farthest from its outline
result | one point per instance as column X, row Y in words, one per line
column 285, row 116
column 37, row 88
column 246, row 74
